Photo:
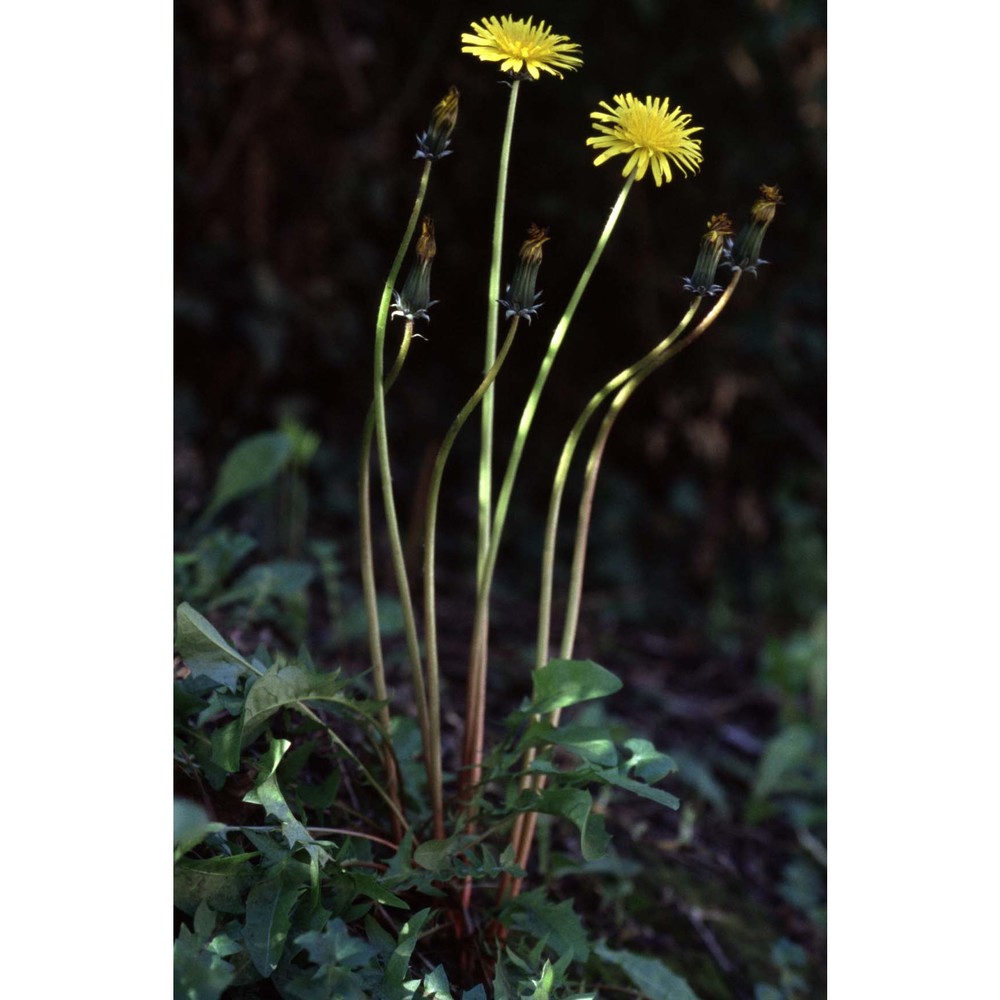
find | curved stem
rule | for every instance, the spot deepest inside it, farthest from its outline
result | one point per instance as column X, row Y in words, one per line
column 594, row 466
column 524, row 832
column 562, row 472
column 368, row 577
column 476, row 703
column 430, row 609
column 524, row 825
column 338, row 742
column 382, row 442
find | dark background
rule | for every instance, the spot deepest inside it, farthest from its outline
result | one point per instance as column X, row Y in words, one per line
column 294, row 141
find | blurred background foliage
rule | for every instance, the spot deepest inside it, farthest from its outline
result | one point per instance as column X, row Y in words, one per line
column 294, row 138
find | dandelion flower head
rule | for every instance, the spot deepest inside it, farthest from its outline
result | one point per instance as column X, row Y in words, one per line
column 649, row 133
column 520, row 45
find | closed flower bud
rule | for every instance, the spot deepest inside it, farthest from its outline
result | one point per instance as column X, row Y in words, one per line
column 745, row 252
column 521, row 299
column 713, row 243
column 414, row 300
column 433, row 144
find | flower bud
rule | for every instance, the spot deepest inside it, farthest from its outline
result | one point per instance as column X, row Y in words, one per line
column 521, row 299
column 415, row 299
column 433, row 144
column 702, row 280
column 745, row 251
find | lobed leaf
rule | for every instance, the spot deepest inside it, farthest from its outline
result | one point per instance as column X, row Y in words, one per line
column 555, row 923
column 199, row 974
column 435, row 855
column 371, row 888
column 268, row 794
column 342, row 959
column 435, row 984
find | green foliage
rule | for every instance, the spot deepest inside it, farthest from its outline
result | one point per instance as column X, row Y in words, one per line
column 340, row 964
column 281, row 579
column 789, row 959
column 274, row 591
column 201, row 971
column 302, row 898
column 634, row 768
column 561, row 683
column 220, row 882
column 268, row 919
column 795, row 669
column 303, row 901
column 649, row 975
column 206, row 653
column 200, row 575
column 554, row 924
column 250, row 466
column 289, row 685
column 266, row 793
column 269, row 468
column 191, row 826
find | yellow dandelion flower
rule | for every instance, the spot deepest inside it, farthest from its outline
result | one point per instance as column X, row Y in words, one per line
column 651, row 135
column 518, row 45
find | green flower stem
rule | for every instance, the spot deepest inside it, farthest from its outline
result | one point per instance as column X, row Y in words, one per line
column 338, row 742
column 562, row 472
column 475, row 717
column 430, row 626
column 594, row 465
column 524, row 825
column 372, row 780
column 368, row 574
column 492, row 324
column 524, row 832
column 382, row 443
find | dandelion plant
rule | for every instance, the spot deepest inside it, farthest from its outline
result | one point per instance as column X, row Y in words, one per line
column 397, row 845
